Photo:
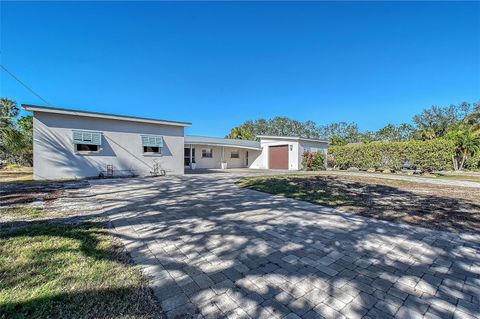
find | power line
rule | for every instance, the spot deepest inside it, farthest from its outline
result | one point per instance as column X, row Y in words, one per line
column 24, row 85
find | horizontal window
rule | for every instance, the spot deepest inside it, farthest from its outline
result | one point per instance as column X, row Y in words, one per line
column 87, row 137
column 151, row 149
column 152, row 140
column 207, row 153
column 311, row 149
column 235, row 154
column 86, row 148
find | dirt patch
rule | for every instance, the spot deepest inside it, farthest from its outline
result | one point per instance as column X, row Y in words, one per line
column 45, row 200
column 15, row 194
column 433, row 206
column 7, row 176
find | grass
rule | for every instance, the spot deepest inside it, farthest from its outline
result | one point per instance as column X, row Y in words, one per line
column 63, row 271
column 468, row 178
column 293, row 186
column 22, row 211
column 16, row 167
column 14, row 173
column 440, row 175
column 434, row 206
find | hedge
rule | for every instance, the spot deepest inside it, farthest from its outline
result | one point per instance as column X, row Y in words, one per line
column 473, row 162
column 426, row 155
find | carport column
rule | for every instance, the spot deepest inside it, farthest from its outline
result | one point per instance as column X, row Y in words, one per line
column 223, row 153
column 191, row 156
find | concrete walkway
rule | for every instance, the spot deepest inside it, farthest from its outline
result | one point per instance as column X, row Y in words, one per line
column 213, row 250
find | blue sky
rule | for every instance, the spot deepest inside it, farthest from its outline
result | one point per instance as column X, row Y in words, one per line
column 218, row 64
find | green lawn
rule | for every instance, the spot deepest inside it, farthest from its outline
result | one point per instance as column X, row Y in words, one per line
column 22, row 211
column 426, row 204
column 468, row 178
column 62, row 271
column 296, row 186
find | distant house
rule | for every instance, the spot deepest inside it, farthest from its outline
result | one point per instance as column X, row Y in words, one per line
column 77, row 144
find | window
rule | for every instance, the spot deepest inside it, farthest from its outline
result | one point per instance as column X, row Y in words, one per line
column 207, row 153
column 310, row 149
column 151, row 149
column 86, row 148
column 152, row 143
column 87, row 141
column 235, row 154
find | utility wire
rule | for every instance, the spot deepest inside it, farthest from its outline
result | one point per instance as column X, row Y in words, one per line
column 24, row 85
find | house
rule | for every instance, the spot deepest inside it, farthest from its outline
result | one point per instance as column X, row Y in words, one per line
column 77, row 144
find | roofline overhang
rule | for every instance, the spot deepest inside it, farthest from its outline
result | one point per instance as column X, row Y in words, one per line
column 294, row 138
column 55, row 110
column 224, row 145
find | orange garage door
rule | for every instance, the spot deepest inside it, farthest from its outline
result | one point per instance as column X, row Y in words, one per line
column 278, row 157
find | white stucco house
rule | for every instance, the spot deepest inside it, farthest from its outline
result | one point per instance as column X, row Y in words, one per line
column 78, row 144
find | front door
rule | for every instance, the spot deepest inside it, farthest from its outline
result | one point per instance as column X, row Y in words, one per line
column 186, row 156
column 246, row 158
column 278, row 157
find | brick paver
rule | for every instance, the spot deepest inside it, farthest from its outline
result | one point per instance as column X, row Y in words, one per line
column 213, row 250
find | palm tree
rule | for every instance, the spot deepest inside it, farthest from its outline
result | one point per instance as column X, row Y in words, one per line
column 467, row 144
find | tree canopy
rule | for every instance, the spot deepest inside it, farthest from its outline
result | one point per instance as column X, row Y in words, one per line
column 16, row 134
column 431, row 123
column 459, row 123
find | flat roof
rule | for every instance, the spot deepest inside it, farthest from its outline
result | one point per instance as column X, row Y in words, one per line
column 217, row 141
column 296, row 138
column 56, row 110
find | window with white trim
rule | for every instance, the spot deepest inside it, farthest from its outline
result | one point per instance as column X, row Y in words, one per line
column 87, row 141
column 235, row 154
column 152, row 144
column 207, row 152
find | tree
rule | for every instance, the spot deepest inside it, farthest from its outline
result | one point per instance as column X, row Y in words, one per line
column 279, row 126
column 473, row 119
column 393, row 133
column 8, row 111
column 16, row 135
column 243, row 132
column 467, row 143
column 437, row 121
column 338, row 141
column 341, row 132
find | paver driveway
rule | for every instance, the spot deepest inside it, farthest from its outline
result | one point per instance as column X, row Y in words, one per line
column 219, row 251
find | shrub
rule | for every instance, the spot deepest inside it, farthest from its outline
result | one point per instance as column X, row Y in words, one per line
column 313, row 161
column 473, row 162
column 426, row 155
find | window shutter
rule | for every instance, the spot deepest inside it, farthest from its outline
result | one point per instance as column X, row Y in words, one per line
column 77, row 137
column 85, row 137
column 96, row 139
column 152, row 140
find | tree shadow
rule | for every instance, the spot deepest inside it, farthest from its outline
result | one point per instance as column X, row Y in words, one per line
column 39, row 273
column 212, row 248
column 25, row 193
column 381, row 201
column 281, row 255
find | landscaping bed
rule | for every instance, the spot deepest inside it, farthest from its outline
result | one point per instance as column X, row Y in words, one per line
column 66, row 271
column 428, row 205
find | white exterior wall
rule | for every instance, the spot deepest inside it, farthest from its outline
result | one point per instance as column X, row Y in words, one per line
column 54, row 154
column 305, row 145
column 215, row 161
column 293, row 159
